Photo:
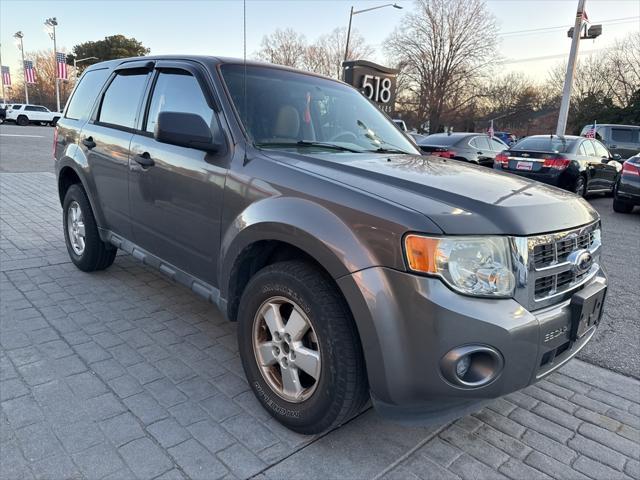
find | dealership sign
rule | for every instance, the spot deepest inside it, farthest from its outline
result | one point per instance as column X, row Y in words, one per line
column 376, row 82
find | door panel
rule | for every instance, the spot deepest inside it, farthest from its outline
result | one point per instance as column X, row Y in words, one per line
column 176, row 204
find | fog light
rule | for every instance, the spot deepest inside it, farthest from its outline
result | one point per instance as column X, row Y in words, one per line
column 463, row 366
column 471, row 366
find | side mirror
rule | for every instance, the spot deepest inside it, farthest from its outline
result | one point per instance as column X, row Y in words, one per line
column 185, row 130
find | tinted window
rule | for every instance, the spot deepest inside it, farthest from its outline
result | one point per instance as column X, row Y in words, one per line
column 546, row 144
column 586, row 149
column 601, row 151
column 480, row 142
column 177, row 91
column 624, row 135
column 16, row 107
column 279, row 107
column 29, row 108
column 497, row 146
column 122, row 98
column 85, row 93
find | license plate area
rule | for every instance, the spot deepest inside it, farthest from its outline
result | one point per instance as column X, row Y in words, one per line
column 524, row 166
column 586, row 309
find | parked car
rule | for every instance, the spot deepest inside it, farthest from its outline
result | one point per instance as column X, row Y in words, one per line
column 580, row 165
column 469, row 147
column 417, row 137
column 626, row 193
column 26, row 114
column 621, row 139
column 506, row 137
column 354, row 267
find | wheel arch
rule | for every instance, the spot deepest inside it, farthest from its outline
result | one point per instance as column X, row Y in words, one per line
column 69, row 175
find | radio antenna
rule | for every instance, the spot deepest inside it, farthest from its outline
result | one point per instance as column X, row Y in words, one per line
column 244, row 77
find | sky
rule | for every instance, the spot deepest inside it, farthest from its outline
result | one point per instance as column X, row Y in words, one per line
column 215, row 26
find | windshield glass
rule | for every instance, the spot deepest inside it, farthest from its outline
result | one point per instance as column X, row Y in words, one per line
column 284, row 108
column 545, row 144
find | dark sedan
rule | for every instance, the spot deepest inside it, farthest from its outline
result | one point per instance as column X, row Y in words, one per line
column 577, row 164
column 626, row 194
column 470, row 147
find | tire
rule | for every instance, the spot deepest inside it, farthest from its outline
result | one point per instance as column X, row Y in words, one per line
column 94, row 254
column 340, row 389
column 622, row 207
column 581, row 186
column 54, row 122
column 22, row 120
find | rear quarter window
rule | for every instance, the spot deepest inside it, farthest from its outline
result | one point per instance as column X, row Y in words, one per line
column 627, row 135
column 85, row 94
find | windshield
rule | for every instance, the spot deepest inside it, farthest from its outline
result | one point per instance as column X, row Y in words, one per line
column 289, row 109
column 545, row 144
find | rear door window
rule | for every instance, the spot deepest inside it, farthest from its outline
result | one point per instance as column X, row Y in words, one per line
column 624, row 135
column 497, row 146
column 85, row 93
column 481, row 143
column 121, row 101
column 601, row 150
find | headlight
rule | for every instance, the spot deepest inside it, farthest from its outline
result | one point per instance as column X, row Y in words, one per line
column 471, row 265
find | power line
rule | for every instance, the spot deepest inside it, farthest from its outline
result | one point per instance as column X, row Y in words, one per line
column 549, row 57
column 616, row 21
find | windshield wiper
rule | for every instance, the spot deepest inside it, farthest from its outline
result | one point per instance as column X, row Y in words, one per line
column 308, row 143
column 389, row 150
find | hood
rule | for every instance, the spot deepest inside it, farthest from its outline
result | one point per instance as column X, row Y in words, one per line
column 460, row 198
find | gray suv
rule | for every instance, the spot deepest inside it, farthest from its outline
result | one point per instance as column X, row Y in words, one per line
column 621, row 139
column 355, row 267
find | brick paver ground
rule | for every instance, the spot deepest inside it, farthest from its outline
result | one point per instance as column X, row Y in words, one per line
column 123, row 374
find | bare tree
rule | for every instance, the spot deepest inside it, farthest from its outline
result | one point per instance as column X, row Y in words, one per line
column 43, row 92
column 442, row 48
column 325, row 55
column 623, row 64
column 283, row 47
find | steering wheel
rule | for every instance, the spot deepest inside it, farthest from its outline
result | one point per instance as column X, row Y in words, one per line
column 346, row 135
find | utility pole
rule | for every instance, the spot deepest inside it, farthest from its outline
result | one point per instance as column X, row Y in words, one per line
column 53, row 23
column 19, row 35
column 571, row 69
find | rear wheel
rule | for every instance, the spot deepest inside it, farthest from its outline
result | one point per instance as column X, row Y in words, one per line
column 621, row 207
column 87, row 251
column 300, row 349
column 22, row 120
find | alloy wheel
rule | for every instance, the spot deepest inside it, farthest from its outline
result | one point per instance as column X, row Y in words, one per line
column 76, row 229
column 286, row 348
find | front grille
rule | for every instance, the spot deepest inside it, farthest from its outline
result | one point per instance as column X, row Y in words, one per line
column 545, row 275
column 549, row 253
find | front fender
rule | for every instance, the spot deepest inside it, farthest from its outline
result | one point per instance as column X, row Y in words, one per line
column 298, row 222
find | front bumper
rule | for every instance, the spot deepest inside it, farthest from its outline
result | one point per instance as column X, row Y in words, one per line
column 407, row 323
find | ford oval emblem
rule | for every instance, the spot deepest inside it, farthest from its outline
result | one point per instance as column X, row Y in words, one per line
column 581, row 261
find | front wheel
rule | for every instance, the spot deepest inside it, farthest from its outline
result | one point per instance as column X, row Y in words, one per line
column 580, row 187
column 621, row 207
column 300, row 349
column 87, row 251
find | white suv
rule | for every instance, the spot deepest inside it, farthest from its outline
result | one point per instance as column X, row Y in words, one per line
column 25, row 114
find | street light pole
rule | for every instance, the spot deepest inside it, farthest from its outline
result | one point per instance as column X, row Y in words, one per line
column 571, row 69
column 53, row 23
column 19, row 35
column 356, row 12
column 4, row 99
column 75, row 63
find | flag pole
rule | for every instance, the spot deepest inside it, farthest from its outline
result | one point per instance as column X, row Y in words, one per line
column 4, row 99
column 24, row 73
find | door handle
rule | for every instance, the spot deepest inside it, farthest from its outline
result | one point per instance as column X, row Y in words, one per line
column 144, row 159
column 89, row 143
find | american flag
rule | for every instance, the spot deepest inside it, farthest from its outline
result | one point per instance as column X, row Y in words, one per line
column 6, row 76
column 490, row 132
column 61, row 64
column 29, row 72
column 591, row 133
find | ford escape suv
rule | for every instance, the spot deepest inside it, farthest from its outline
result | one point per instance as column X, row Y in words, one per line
column 355, row 267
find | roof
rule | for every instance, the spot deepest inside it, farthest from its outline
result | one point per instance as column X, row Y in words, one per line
column 205, row 59
column 611, row 125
